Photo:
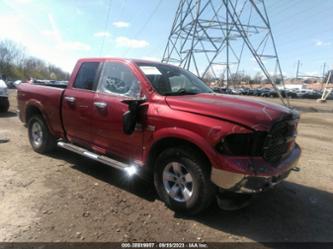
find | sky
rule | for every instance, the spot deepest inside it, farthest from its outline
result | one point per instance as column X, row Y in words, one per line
column 62, row 31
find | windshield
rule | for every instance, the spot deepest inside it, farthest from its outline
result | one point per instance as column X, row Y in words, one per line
column 169, row 80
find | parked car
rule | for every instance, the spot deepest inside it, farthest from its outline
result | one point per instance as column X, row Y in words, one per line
column 289, row 93
column 4, row 102
column 312, row 95
column 217, row 89
column 223, row 90
column 235, row 91
column 16, row 83
column 272, row 93
column 246, row 91
column 257, row 92
column 55, row 83
column 249, row 92
column 10, row 84
column 308, row 94
column 268, row 93
column 141, row 116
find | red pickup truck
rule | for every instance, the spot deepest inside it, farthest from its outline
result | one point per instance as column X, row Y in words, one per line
column 141, row 116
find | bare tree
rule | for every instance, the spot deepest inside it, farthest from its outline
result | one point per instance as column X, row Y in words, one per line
column 15, row 65
column 258, row 78
column 10, row 54
column 208, row 77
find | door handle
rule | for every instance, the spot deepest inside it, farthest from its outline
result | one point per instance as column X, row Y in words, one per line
column 100, row 105
column 70, row 99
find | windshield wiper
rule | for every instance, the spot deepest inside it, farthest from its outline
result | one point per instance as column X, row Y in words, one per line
column 179, row 94
column 181, row 91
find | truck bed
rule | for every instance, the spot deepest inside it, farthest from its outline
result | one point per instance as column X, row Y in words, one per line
column 48, row 99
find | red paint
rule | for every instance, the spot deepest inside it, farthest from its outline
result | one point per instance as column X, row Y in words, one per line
column 202, row 119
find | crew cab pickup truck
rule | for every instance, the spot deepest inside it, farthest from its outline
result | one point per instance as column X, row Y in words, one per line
column 141, row 116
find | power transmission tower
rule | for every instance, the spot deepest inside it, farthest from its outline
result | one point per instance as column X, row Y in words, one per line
column 211, row 36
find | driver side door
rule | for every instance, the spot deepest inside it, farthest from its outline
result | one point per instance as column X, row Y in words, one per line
column 117, row 83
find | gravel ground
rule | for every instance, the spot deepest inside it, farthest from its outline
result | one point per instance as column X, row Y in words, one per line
column 64, row 197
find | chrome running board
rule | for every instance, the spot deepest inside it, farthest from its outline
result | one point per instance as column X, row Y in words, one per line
column 102, row 159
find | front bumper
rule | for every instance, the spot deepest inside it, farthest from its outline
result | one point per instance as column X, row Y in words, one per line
column 252, row 175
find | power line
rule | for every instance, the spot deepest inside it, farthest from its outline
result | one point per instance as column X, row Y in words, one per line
column 149, row 17
column 121, row 9
column 291, row 25
column 106, row 26
column 146, row 22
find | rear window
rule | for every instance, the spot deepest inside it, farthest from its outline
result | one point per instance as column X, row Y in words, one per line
column 86, row 77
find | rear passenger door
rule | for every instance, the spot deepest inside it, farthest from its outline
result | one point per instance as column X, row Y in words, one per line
column 78, row 104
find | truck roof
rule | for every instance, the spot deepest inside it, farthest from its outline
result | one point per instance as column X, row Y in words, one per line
column 119, row 59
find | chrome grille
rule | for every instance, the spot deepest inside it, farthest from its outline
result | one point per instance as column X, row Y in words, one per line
column 280, row 140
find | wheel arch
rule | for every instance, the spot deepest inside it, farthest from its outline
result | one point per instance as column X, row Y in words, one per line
column 33, row 109
column 168, row 142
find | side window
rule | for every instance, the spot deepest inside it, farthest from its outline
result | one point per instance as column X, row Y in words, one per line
column 86, row 76
column 117, row 78
column 181, row 82
column 177, row 82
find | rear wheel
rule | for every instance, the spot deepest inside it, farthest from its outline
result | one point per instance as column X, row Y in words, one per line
column 182, row 180
column 41, row 140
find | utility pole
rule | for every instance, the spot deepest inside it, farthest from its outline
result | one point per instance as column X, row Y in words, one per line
column 201, row 35
column 324, row 70
column 323, row 77
column 297, row 70
column 327, row 90
column 228, row 43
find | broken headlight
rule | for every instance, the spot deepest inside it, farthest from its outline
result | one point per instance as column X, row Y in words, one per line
column 249, row 144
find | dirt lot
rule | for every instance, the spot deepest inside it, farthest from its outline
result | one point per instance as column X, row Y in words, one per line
column 63, row 197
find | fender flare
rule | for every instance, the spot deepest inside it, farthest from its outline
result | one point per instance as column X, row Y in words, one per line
column 32, row 103
column 182, row 134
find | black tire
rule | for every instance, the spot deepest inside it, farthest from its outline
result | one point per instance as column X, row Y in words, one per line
column 203, row 190
column 47, row 142
column 4, row 105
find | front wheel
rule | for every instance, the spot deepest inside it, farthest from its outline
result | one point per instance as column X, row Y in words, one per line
column 182, row 180
column 41, row 140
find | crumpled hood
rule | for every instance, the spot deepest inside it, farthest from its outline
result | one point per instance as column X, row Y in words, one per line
column 252, row 113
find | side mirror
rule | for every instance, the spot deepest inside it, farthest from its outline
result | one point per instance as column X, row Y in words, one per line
column 130, row 117
column 129, row 122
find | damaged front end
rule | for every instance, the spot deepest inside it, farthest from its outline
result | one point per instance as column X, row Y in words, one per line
column 254, row 162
